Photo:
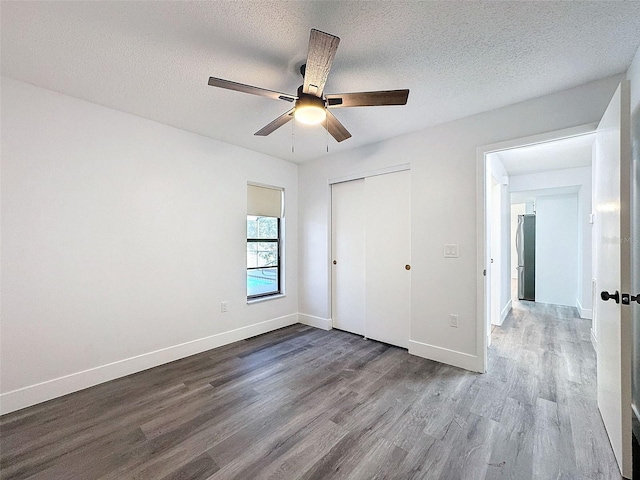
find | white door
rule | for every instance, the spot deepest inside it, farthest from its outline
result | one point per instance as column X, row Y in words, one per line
column 388, row 258
column 347, row 247
column 612, row 259
column 635, row 260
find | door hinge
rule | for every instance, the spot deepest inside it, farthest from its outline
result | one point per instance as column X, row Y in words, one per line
column 484, row 272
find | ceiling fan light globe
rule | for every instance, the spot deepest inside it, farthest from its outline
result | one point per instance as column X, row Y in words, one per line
column 310, row 114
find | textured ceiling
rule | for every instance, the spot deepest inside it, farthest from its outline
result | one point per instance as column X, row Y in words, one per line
column 573, row 152
column 153, row 59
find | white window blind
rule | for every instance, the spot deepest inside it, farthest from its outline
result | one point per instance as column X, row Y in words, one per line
column 264, row 201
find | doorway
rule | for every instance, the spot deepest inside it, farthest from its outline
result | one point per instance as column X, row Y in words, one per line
column 371, row 249
column 546, row 183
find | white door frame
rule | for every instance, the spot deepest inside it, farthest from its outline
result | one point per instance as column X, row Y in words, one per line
column 483, row 251
column 496, row 253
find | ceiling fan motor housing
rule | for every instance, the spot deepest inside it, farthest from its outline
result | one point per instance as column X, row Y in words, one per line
column 309, row 101
column 306, row 99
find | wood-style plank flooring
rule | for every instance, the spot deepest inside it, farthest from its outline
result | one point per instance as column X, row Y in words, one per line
column 302, row 403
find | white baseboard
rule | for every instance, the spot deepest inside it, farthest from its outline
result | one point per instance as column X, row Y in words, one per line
column 444, row 355
column 594, row 340
column 584, row 312
column 318, row 322
column 505, row 311
column 41, row 392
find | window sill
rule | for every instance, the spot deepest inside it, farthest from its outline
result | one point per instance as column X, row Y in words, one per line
column 264, row 299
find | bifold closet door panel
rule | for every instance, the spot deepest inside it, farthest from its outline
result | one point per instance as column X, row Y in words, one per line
column 347, row 251
column 388, row 258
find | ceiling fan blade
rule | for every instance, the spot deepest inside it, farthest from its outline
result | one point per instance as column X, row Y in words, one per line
column 277, row 123
column 241, row 87
column 368, row 99
column 335, row 128
column 322, row 50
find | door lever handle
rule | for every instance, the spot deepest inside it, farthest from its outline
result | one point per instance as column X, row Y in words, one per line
column 610, row 296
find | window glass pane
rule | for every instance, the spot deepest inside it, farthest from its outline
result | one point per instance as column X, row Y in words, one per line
column 262, row 281
column 262, row 254
column 262, row 227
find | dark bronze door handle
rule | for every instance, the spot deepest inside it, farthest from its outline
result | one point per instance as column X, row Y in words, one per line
column 610, row 296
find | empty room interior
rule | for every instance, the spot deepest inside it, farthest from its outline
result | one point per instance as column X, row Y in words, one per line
column 319, row 240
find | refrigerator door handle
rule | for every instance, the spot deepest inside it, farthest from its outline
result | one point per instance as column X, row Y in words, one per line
column 520, row 283
column 519, row 233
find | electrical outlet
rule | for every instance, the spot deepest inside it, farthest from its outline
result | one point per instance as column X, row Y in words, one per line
column 451, row 250
column 453, row 320
column 223, row 307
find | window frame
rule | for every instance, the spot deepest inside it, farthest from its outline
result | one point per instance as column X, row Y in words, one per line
column 278, row 242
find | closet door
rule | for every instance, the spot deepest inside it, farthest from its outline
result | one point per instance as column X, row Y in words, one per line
column 387, row 256
column 347, row 250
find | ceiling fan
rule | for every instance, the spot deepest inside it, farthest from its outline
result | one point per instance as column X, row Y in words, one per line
column 311, row 105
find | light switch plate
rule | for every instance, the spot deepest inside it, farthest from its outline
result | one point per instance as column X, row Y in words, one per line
column 451, row 250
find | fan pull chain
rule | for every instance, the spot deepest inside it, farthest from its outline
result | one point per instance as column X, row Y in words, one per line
column 293, row 123
column 326, row 121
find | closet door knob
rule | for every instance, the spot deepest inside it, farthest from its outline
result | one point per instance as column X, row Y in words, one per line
column 407, row 267
column 335, row 263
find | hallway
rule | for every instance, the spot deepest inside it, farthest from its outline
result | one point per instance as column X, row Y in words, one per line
column 546, row 352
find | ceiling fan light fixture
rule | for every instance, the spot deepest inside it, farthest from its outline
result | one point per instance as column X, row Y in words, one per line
column 310, row 115
column 310, row 110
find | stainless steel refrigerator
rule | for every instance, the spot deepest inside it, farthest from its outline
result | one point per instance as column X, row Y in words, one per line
column 526, row 248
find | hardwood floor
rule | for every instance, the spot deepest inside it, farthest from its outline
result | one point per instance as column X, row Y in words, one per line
column 302, row 403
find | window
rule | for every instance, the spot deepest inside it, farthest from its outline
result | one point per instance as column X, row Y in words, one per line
column 264, row 238
column 263, row 256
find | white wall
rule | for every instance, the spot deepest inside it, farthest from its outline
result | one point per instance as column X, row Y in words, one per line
column 561, row 181
column 444, row 210
column 557, row 249
column 529, row 207
column 120, row 238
